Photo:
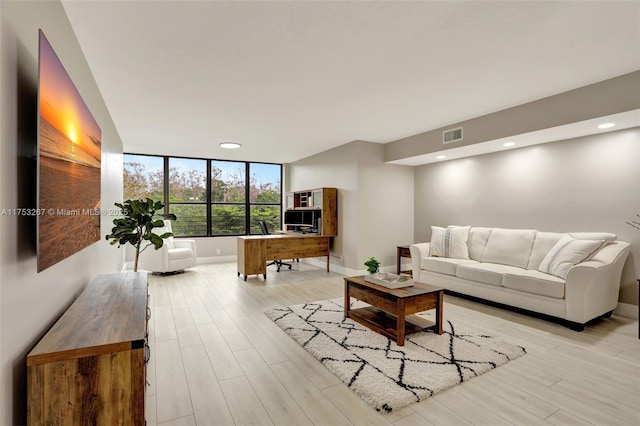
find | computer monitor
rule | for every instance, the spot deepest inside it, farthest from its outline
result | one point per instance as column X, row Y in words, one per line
column 298, row 217
column 303, row 219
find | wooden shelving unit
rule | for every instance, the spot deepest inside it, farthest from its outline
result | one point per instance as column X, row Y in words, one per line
column 323, row 199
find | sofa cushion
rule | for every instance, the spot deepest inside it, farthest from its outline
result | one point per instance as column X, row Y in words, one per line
column 449, row 242
column 535, row 282
column 486, row 273
column 509, row 247
column 478, row 237
column 443, row 265
column 180, row 253
column 542, row 245
column 566, row 253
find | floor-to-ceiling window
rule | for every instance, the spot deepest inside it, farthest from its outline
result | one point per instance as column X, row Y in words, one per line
column 187, row 197
column 265, row 196
column 209, row 197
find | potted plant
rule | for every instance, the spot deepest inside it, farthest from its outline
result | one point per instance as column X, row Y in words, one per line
column 140, row 217
column 372, row 265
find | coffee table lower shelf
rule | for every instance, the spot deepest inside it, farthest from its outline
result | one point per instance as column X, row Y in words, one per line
column 387, row 324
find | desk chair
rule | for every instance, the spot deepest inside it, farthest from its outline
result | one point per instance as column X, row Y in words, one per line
column 265, row 231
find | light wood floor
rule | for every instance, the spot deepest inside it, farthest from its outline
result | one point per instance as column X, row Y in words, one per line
column 216, row 359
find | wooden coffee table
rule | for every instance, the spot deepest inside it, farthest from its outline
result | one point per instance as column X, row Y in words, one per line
column 392, row 309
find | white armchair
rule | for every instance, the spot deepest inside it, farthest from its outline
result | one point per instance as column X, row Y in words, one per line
column 174, row 255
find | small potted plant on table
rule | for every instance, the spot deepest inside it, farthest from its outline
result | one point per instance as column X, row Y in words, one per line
column 372, row 265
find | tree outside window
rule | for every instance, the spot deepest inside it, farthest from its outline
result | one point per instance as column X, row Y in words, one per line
column 265, row 196
column 143, row 177
column 223, row 205
column 228, row 198
column 188, row 195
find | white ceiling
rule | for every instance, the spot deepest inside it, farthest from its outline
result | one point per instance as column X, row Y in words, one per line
column 291, row 79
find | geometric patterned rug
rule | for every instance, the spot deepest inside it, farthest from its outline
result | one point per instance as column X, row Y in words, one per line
column 383, row 374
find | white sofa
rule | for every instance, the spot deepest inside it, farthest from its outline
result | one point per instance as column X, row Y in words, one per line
column 503, row 266
column 174, row 255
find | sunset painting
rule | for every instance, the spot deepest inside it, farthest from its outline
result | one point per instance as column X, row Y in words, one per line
column 69, row 143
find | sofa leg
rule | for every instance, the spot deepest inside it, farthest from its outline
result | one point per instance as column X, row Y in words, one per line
column 575, row 326
column 608, row 314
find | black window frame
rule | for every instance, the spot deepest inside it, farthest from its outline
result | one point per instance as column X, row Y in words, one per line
column 209, row 203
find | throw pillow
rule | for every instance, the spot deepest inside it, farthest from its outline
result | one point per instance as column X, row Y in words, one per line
column 567, row 252
column 449, row 242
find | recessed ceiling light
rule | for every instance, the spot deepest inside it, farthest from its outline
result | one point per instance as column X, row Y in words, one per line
column 441, row 157
column 229, row 145
column 606, row 125
column 508, row 144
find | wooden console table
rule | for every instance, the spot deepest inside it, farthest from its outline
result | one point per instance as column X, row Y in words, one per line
column 254, row 251
column 90, row 367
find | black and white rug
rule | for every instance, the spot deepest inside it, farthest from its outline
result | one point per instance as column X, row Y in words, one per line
column 385, row 375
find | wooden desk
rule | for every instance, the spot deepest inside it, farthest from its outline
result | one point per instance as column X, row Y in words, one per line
column 254, row 251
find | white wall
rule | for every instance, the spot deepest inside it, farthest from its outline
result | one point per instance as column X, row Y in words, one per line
column 385, row 207
column 583, row 184
column 375, row 201
column 335, row 168
column 30, row 302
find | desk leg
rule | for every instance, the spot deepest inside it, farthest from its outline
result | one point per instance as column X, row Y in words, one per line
column 328, row 263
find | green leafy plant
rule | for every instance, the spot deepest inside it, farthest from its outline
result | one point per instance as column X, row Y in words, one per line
column 136, row 226
column 372, row 265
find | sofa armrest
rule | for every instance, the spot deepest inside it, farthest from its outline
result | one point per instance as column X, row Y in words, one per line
column 185, row 243
column 418, row 251
column 592, row 287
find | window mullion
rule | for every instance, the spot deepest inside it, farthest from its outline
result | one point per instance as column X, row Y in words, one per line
column 247, row 208
column 209, row 200
column 166, row 184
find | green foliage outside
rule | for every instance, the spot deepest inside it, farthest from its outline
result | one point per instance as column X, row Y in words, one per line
column 140, row 184
column 188, row 196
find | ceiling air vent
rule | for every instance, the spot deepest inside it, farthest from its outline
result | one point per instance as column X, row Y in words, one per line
column 452, row 135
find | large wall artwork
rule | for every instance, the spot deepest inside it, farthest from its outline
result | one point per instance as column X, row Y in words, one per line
column 69, row 145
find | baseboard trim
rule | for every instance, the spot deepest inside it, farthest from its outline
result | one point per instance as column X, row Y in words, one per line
column 215, row 259
column 626, row 310
column 321, row 262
